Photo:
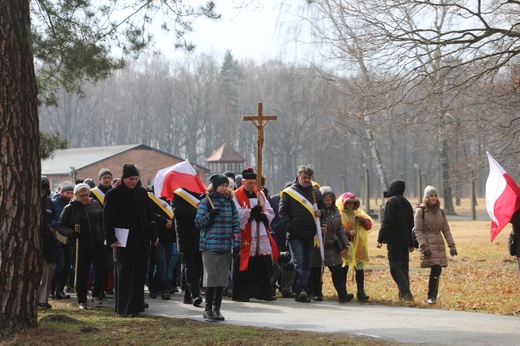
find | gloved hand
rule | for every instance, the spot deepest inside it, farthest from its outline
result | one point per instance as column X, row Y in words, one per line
column 263, row 218
column 236, row 250
column 361, row 219
column 427, row 252
column 256, row 211
column 453, row 251
column 214, row 213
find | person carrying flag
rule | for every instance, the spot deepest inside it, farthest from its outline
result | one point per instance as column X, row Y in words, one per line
column 160, row 283
column 185, row 204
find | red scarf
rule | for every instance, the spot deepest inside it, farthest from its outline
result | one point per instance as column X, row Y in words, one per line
column 245, row 251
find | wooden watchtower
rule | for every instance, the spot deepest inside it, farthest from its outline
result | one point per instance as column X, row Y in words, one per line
column 224, row 159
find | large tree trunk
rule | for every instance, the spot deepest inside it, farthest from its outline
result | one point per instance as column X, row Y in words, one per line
column 20, row 253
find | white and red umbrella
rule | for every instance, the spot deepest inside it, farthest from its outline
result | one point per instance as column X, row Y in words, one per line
column 182, row 174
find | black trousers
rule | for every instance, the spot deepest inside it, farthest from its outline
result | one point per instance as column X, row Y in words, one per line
column 97, row 257
column 192, row 271
column 399, row 259
column 316, row 282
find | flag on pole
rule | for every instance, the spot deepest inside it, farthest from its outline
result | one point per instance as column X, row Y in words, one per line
column 182, row 174
column 502, row 196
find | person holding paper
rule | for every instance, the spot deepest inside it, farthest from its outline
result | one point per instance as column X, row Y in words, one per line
column 128, row 210
column 87, row 213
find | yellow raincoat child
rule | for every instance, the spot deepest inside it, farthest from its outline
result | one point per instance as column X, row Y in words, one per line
column 356, row 223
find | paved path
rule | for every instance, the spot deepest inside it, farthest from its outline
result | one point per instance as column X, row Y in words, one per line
column 393, row 323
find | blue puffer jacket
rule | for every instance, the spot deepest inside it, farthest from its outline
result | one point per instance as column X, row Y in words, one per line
column 222, row 233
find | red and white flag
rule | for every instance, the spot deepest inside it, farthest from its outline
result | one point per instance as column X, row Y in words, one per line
column 181, row 174
column 502, row 197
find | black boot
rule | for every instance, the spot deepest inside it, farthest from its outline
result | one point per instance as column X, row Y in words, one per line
column 208, row 308
column 360, row 281
column 433, row 286
column 217, row 303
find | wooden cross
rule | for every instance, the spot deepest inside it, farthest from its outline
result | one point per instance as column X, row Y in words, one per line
column 259, row 121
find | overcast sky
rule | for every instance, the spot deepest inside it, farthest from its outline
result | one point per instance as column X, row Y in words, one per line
column 248, row 32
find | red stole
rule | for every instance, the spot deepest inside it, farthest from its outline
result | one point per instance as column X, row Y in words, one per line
column 245, row 248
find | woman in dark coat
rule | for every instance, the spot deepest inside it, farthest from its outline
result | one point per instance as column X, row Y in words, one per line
column 87, row 213
column 333, row 235
column 128, row 212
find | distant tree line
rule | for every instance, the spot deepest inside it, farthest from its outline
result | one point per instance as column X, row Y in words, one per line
column 190, row 107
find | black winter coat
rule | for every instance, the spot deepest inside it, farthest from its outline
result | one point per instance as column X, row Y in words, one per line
column 515, row 232
column 277, row 227
column 48, row 239
column 188, row 235
column 129, row 209
column 89, row 217
column 335, row 231
column 398, row 218
column 299, row 223
column 166, row 235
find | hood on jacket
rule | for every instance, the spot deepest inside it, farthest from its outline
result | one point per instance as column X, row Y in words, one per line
column 396, row 188
column 350, row 197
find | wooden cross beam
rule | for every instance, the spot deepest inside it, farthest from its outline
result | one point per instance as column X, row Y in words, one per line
column 259, row 121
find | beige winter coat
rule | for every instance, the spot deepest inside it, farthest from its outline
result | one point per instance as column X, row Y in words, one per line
column 430, row 233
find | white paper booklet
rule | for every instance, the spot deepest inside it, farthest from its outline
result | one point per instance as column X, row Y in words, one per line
column 122, row 235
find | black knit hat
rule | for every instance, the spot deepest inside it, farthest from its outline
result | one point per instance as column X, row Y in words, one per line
column 218, row 179
column 229, row 174
column 129, row 170
column 67, row 186
column 46, row 185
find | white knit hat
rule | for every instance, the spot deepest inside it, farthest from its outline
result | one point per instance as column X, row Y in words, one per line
column 429, row 191
column 81, row 186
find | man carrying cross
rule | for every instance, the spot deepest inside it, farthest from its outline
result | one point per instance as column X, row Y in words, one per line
column 252, row 269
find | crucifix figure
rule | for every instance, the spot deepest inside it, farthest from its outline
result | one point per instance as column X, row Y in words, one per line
column 259, row 121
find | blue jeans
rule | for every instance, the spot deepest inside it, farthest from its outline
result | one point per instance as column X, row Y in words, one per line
column 161, row 282
column 302, row 252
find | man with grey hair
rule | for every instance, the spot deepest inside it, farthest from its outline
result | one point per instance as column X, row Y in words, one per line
column 300, row 205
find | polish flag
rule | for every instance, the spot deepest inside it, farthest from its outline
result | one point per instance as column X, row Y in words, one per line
column 502, row 197
column 181, row 174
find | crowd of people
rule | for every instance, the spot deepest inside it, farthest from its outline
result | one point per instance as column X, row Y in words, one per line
column 233, row 240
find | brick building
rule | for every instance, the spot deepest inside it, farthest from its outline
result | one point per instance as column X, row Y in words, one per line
column 86, row 163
